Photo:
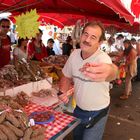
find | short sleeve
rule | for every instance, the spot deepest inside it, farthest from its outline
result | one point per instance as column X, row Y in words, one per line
column 67, row 70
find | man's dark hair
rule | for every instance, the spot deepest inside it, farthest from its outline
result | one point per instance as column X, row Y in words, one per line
column 4, row 20
column 69, row 39
column 20, row 40
column 111, row 40
column 50, row 40
column 120, row 36
column 99, row 24
column 127, row 50
column 127, row 41
column 133, row 40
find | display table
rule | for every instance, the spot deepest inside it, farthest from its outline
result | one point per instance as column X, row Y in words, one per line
column 28, row 88
column 60, row 127
column 62, row 123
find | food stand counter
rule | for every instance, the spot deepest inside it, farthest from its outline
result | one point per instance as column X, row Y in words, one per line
column 59, row 127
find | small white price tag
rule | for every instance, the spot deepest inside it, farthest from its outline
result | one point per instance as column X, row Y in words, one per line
column 31, row 122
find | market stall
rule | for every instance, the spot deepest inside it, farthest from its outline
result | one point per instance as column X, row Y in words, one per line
column 56, row 125
column 61, row 13
column 30, row 88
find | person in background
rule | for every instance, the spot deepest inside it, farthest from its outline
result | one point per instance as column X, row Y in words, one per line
column 67, row 47
column 57, row 44
column 138, row 61
column 130, row 55
column 113, row 53
column 119, row 43
column 111, row 42
column 133, row 42
column 36, row 49
column 49, row 48
column 90, row 69
column 12, row 36
column 105, row 47
column 20, row 51
column 5, row 42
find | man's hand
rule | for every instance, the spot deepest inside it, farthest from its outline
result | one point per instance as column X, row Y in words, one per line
column 100, row 71
column 64, row 98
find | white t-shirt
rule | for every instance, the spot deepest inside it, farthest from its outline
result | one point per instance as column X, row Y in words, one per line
column 19, row 53
column 89, row 95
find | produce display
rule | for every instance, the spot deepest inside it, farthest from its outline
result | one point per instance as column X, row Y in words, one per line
column 43, row 93
column 29, row 71
column 21, row 73
column 42, row 117
column 8, row 72
column 46, row 97
column 22, row 98
column 56, row 60
column 5, row 84
column 14, row 123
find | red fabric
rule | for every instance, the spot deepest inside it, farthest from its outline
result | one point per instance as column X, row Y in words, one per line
column 59, row 19
column 75, row 7
column 32, row 52
column 135, row 7
column 53, row 128
column 4, row 52
column 117, row 6
column 62, row 19
column 60, row 12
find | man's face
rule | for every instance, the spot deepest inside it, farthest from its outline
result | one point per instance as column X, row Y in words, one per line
column 4, row 27
column 90, row 39
column 50, row 44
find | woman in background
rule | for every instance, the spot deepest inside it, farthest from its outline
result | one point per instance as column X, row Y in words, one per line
column 20, row 51
column 36, row 49
column 130, row 55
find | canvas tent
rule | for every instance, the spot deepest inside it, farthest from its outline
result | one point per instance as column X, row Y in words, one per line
column 66, row 12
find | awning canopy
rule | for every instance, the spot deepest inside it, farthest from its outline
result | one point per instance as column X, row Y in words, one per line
column 128, row 9
column 66, row 12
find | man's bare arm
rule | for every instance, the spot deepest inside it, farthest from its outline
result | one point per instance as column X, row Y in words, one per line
column 64, row 86
column 100, row 71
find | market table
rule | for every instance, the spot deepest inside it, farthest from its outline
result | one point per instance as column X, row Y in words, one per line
column 57, row 129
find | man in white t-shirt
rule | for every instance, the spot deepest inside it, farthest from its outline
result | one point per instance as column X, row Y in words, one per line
column 90, row 69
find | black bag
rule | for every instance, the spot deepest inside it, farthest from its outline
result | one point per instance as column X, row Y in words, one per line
column 95, row 119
